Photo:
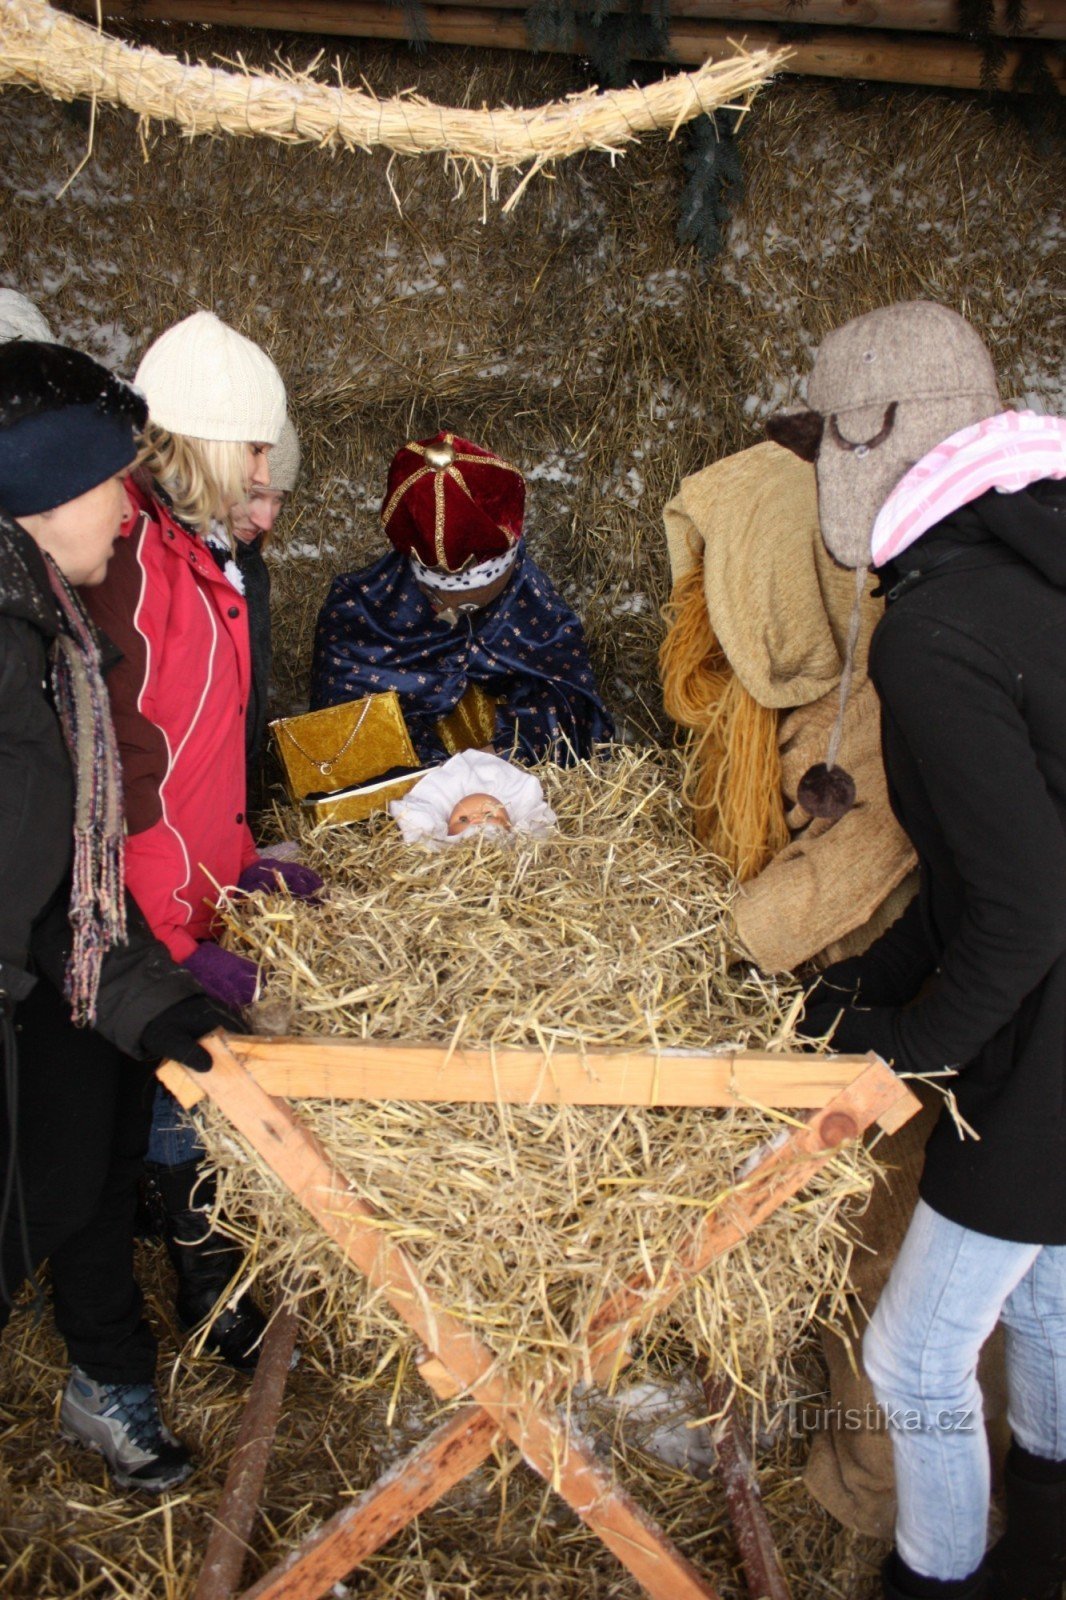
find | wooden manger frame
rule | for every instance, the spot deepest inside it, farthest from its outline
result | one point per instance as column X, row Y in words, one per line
column 250, row 1082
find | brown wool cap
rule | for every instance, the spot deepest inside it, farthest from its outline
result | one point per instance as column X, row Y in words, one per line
column 889, row 387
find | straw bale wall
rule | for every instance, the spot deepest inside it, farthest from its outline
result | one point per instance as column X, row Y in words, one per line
column 574, row 336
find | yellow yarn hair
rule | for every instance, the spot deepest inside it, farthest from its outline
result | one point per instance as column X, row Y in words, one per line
column 733, row 768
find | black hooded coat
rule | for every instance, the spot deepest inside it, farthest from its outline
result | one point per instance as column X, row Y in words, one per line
column 970, row 664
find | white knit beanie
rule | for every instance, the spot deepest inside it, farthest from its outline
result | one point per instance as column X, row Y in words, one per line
column 20, row 319
column 285, row 460
column 205, row 380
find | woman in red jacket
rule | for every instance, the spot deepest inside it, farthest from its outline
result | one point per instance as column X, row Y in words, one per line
column 173, row 604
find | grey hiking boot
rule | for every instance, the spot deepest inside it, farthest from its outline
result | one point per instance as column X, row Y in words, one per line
column 122, row 1422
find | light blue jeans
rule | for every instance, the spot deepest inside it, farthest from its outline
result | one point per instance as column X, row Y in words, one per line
column 948, row 1289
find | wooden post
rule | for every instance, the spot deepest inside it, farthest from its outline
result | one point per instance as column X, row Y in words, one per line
column 763, row 1571
column 228, row 1544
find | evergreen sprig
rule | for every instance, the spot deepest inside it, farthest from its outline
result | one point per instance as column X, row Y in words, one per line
column 714, row 184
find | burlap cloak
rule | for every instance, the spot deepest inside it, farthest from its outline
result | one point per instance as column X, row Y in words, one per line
column 779, row 607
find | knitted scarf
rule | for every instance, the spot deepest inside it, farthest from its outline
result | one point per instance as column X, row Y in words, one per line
column 97, row 895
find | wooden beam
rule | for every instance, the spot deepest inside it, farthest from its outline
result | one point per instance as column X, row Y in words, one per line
column 879, row 57
column 228, row 1544
column 348, row 1069
column 783, row 1171
column 567, row 1463
column 1043, row 19
column 443, row 1459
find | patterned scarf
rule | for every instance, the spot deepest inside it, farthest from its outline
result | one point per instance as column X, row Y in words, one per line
column 97, row 895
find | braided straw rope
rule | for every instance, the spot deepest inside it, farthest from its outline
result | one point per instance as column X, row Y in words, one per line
column 44, row 49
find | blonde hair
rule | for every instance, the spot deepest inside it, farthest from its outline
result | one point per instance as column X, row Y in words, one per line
column 205, row 478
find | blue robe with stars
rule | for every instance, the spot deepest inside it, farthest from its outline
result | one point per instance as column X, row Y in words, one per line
column 377, row 631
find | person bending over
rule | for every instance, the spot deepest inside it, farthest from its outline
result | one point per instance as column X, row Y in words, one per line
column 962, row 507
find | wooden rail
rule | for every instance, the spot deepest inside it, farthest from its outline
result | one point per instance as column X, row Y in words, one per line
column 880, row 56
column 350, row 1069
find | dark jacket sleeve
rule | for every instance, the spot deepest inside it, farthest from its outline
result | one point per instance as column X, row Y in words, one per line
column 35, row 801
column 893, row 969
column 957, row 707
column 138, row 980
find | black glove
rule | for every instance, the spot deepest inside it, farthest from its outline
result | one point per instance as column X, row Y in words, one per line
column 843, row 979
column 859, row 1029
column 175, row 1034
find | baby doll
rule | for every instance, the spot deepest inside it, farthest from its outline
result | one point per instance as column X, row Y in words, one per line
column 478, row 811
column 474, row 792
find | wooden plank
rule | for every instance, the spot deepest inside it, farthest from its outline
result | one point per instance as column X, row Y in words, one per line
column 347, row 1069
column 781, row 1173
column 441, row 1461
column 228, row 1544
column 878, row 57
column 546, row 1443
column 1043, row 19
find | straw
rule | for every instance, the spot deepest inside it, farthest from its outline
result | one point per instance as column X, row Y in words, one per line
column 48, row 50
column 614, row 932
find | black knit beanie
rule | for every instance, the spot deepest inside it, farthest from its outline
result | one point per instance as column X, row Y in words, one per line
column 67, row 424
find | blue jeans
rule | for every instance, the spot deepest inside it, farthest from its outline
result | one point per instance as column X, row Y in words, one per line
column 948, row 1289
column 173, row 1139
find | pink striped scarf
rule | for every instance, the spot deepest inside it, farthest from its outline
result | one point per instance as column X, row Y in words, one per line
column 1005, row 452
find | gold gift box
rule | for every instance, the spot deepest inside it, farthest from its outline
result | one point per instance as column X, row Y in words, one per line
column 353, row 805
column 338, row 755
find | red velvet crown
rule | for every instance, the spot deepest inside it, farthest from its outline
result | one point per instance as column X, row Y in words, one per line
column 452, row 504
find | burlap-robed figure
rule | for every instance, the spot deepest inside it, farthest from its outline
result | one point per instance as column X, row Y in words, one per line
column 752, row 664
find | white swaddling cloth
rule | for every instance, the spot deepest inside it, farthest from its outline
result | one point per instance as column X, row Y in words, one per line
column 424, row 813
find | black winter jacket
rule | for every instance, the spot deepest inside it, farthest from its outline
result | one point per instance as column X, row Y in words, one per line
column 138, row 980
column 970, row 664
column 256, row 576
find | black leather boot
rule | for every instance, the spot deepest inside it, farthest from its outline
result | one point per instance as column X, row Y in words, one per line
column 1029, row 1562
column 899, row 1582
column 205, row 1262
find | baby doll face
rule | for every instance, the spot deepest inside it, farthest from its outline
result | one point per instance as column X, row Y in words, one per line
column 478, row 811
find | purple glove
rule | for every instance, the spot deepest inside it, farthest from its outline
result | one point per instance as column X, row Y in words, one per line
column 226, row 977
column 264, row 874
